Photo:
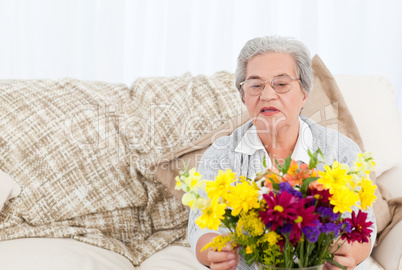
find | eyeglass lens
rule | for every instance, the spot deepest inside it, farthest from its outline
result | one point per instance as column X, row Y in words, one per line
column 280, row 85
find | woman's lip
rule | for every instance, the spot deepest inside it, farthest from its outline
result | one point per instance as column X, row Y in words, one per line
column 269, row 111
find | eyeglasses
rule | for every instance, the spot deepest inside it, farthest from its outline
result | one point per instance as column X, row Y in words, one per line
column 281, row 85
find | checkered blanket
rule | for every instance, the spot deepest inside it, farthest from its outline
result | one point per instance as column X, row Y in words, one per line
column 81, row 153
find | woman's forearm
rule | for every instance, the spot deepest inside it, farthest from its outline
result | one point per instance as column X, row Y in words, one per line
column 360, row 251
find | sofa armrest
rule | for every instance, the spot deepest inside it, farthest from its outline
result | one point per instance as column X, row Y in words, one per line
column 389, row 253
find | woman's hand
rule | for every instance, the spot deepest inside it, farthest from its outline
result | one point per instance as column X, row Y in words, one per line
column 227, row 259
column 343, row 256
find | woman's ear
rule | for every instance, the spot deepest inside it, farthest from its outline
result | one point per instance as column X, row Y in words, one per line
column 304, row 98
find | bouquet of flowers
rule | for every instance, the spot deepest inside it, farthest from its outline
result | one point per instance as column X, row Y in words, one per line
column 288, row 216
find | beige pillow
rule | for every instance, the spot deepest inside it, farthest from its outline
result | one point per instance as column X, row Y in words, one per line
column 326, row 105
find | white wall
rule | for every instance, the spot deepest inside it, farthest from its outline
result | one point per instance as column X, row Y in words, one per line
column 120, row 40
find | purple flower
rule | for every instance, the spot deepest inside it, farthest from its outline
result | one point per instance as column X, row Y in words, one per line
column 285, row 186
column 286, row 228
column 331, row 227
column 347, row 227
column 328, row 212
column 311, row 233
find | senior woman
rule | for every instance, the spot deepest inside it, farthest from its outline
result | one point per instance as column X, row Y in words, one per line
column 274, row 77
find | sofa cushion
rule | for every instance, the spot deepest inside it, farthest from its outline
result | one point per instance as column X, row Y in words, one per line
column 389, row 253
column 172, row 258
column 60, row 254
column 379, row 112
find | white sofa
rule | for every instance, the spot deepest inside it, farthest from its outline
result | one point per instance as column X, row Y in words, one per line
column 372, row 104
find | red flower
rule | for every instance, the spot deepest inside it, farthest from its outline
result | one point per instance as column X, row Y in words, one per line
column 322, row 196
column 360, row 230
column 280, row 207
column 305, row 217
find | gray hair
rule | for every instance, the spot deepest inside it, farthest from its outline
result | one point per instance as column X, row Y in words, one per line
column 276, row 44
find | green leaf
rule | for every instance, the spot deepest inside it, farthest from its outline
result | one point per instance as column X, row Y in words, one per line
column 337, row 264
column 230, row 221
column 185, row 166
column 274, row 185
column 306, row 183
column 277, row 165
column 314, row 158
column 286, row 165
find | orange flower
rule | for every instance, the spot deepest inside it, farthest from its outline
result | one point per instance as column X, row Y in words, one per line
column 296, row 175
column 272, row 175
column 304, row 169
column 293, row 168
column 316, row 185
column 314, row 173
column 293, row 180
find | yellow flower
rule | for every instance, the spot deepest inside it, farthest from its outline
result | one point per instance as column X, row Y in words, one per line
column 188, row 198
column 272, row 238
column 193, row 179
column 366, row 193
column 249, row 250
column 218, row 243
column 293, row 168
column 220, row 186
column 364, row 164
column 189, row 183
column 194, row 201
column 242, row 197
column 179, row 184
column 250, row 223
column 343, row 199
column 334, row 176
column 211, row 215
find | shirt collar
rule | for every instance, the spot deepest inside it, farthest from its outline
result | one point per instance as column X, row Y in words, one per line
column 251, row 142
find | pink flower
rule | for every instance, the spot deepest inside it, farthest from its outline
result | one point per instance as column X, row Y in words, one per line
column 322, row 196
column 360, row 230
column 280, row 209
column 305, row 217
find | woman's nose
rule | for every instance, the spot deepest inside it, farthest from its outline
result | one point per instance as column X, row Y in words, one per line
column 268, row 92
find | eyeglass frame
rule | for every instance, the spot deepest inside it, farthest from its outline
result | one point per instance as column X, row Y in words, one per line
column 270, row 83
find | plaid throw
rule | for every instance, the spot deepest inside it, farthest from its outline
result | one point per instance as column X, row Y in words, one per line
column 81, row 153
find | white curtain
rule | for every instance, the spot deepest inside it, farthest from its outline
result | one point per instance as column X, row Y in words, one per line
column 120, row 40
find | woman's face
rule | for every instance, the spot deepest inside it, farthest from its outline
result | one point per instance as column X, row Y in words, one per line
column 271, row 111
